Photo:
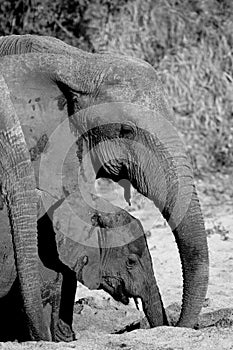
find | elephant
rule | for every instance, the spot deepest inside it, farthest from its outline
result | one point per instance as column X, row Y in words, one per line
column 61, row 106
column 115, row 258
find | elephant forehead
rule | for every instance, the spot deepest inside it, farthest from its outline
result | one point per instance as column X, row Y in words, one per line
column 99, row 114
column 124, row 78
column 124, row 222
column 135, row 114
column 111, row 112
column 134, row 81
column 138, row 246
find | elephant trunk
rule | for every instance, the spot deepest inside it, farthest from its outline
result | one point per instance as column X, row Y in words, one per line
column 192, row 244
column 143, row 146
column 18, row 187
column 172, row 189
column 152, row 306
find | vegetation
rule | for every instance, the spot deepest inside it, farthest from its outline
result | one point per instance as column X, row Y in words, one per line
column 188, row 42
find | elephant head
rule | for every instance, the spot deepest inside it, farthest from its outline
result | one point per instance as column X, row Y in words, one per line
column 118, row 114
column 127, row 272
column 128, row 142
column 114, row 246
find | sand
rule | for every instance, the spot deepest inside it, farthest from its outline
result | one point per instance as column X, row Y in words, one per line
column 97, row 316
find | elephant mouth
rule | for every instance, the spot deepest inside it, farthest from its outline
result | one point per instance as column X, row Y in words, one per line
column 116, row 288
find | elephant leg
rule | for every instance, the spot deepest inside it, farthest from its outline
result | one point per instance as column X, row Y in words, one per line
column 13, row 323
column 62, row 307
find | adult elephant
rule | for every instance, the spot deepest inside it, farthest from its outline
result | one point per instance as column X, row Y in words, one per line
column 118, row 115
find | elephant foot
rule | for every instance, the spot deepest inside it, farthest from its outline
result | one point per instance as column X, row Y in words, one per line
column 63, row 332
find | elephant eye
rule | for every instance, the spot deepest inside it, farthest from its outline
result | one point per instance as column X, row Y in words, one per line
column 127, row 131
column 132, row 260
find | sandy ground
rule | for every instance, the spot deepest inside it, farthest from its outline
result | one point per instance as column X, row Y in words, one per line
column 97, row 316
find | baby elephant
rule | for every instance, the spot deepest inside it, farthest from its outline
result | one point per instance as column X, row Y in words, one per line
column 103, row 249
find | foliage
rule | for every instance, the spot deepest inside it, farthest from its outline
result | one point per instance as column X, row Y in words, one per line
column 189, row 42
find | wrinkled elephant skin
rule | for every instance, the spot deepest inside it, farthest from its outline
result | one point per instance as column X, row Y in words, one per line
column 113, row 255
column 114, row 111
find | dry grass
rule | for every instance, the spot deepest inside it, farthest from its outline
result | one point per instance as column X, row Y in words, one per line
column 190, row 43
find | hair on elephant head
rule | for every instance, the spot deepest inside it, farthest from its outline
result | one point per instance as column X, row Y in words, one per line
column 118, row 114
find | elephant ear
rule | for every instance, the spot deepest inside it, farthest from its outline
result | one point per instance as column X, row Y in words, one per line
column 77, row 238
column 42, row 111
column 84, row 230
column 91, row 273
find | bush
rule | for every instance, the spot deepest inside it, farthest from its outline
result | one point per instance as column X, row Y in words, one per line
column 190, row 44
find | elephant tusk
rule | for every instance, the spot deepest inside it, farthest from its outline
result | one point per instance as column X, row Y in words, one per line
column 138, row 303
column 127, row 193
